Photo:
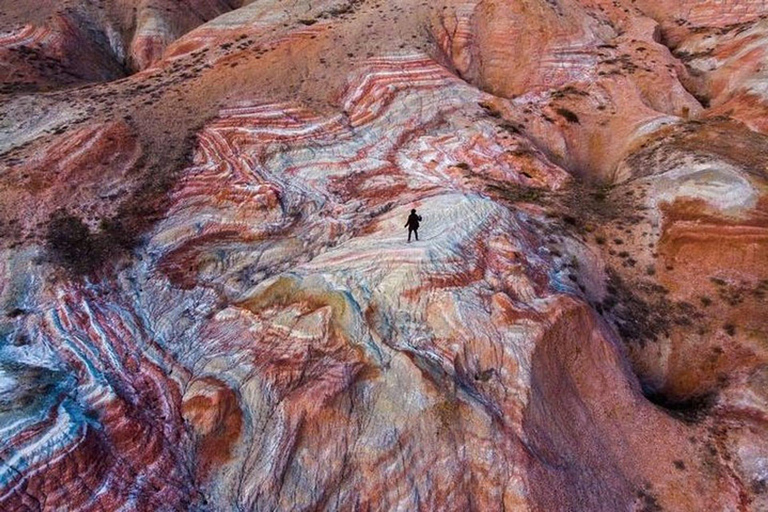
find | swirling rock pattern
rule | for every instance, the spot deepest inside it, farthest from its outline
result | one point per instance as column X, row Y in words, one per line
column 208, row 302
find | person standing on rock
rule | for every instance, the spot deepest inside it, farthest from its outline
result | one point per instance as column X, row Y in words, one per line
column 413, row 225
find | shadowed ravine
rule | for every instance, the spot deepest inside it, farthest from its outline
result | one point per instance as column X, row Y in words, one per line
column 208, row 301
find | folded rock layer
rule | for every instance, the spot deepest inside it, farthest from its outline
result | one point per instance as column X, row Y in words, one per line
column 208, row 300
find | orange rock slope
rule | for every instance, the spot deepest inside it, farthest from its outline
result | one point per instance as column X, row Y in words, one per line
column 209, row 302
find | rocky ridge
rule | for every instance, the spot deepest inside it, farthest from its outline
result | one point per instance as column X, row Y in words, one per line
column 209, row 304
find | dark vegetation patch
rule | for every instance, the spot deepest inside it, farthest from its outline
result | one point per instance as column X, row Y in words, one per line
column 510, row 128
column 15, row 313
column 624, row 64
column 493, row 112
column 642, row 312
column 687, row 57
column 82, row 250
column 463, row 166
column 71, row 244
column 576, row 209
column 568, row 90
column 490, row 109
column 718, row 137
column 568, row 115
column 759, row 486
column 734, row 294
column 514, row 193
column 702, row 99
column 646, row 501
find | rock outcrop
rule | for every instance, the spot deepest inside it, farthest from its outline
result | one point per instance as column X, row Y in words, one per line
column 207, row 300
column 62, row 43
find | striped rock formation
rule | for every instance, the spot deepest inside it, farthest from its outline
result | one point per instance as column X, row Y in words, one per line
column 207, row 299
column 62, row 43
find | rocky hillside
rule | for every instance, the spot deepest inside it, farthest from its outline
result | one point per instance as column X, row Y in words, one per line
column 207, row 299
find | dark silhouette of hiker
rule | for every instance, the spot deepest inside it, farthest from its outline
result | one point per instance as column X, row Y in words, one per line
column 413, row 225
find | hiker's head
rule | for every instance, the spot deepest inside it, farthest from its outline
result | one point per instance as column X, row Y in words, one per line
column 413, row 211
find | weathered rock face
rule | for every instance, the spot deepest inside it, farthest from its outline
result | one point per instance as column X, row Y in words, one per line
column 208, row 302
column 62, row 43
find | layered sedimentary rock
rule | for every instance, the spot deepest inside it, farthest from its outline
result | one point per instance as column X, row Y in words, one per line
column 63, row 43
column 208, row 301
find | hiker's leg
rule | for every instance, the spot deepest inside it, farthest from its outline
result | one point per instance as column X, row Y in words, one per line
column 409, row 234
column 416, row 232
